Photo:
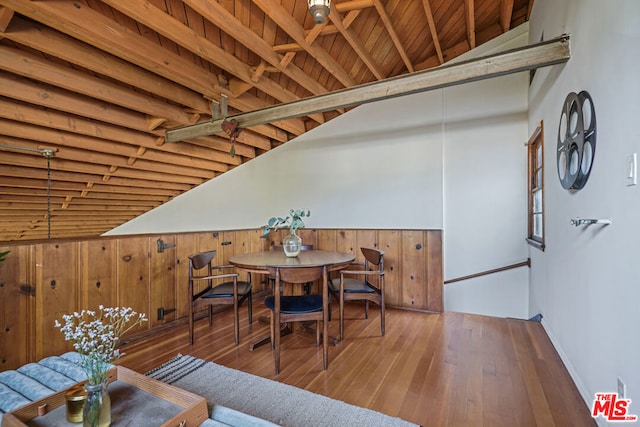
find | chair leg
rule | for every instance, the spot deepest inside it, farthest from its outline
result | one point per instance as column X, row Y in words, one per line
column 382, row 317
column 366, row 309
column 317, row 333
column 191, row 325
column 236, row 321
column 210, row 315
column 272, row 330
column 341, row 317
column 276, row 328
column 325, row 341
column 250, row 308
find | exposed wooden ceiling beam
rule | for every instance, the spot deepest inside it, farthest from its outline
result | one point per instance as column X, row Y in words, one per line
column 38, row 182
column 219, row 16
column 217, row 150
column 90, row 179
column 85, row 24
column 164, row 24
column 506, row 10
column 433, row 29
column 543, row 54
column 38, row 93
column 6, row 15
column 105, row 164
column 326, row 28
column 386, row 20
column 283, row 19
column 470, row 18
column 37, row 68
column 20, row 195
column 59, row 45
column 355, row 43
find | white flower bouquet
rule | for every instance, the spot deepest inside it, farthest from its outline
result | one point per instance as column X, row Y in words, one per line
column 95, row 337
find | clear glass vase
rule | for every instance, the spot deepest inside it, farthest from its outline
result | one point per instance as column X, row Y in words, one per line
column 97, row 407
column 292, row 244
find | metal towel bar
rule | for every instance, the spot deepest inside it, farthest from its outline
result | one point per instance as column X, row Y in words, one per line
column 585, row 221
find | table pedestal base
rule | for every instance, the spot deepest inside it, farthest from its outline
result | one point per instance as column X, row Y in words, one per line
column 284, row 331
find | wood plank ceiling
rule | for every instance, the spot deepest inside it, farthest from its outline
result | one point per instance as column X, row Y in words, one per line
column 99, row 82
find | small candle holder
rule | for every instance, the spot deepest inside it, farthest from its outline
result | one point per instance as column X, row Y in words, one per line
column 76, row 396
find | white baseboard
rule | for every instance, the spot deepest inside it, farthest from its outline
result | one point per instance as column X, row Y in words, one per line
column 586, row 396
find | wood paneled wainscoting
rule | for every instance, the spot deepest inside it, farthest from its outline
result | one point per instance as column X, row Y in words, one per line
column 41, row 281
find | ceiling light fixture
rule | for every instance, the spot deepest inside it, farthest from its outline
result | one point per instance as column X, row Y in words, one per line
column 319, row 9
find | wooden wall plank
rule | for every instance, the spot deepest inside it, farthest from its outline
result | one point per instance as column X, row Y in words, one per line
column 309, row 236
column 435, row 273
column 242, row 243
column 413, row 269
column 346, row 242
column 162, row 279
column 17, row 308
column 186, row 244
column 326, row 239
column 134, row 275
column 365, row 239
column 57, row 277
column 99, row 274
column 389, row 242
column 257, row 244
column 208, row 242
column 227, row 247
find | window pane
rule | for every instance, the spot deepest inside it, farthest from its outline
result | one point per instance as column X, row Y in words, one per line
column 539, row 155
column 535, row 160
column 537, row 226
column 537, row 201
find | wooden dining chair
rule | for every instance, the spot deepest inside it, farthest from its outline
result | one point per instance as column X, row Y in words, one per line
column 294, row 308
column 230, row 291
column 271, row 279
column 358, row 285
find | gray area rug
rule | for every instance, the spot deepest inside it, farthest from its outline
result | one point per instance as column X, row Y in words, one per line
column 276, row 402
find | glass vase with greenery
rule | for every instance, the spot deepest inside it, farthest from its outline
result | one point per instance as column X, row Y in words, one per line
column 292, row 243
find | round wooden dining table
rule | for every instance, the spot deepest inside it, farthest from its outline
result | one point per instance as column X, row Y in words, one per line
column 258, row 262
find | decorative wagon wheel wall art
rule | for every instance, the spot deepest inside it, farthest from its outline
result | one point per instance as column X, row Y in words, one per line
column 576, row 140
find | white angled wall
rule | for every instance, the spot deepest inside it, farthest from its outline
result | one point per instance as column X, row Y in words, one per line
column 378, row 166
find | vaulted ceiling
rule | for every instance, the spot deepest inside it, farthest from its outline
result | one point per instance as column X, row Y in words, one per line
column 89, row 87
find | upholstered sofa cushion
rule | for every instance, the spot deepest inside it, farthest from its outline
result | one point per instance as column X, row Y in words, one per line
column 37, row 380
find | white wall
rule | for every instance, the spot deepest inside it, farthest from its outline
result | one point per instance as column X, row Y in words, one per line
column 586, row 281
column 378, row 166
column 389, row 165
column 486, row 196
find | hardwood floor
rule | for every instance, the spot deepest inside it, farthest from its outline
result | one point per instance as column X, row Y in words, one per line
column 434, row 370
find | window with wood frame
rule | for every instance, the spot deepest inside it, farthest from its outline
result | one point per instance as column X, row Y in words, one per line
column 536, row 188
